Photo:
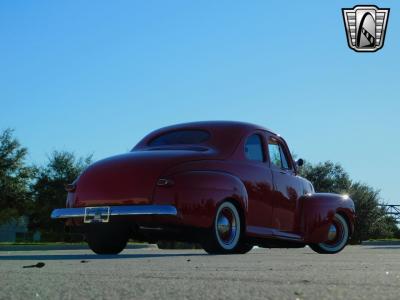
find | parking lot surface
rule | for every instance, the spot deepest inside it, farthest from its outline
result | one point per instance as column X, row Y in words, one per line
column 359, row 272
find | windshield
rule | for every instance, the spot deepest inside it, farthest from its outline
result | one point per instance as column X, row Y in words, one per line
column 181, row 137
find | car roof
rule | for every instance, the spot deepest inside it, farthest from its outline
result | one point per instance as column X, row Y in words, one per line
column 209, row 125
column 225, row 135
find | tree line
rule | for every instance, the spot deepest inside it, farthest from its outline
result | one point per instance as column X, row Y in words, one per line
column 34, row 191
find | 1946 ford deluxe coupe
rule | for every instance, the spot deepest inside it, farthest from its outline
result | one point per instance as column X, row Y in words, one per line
column 226, row 185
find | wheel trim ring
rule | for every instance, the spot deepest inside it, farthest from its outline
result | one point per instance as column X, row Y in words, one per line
column 229, row 212
column 341, row 237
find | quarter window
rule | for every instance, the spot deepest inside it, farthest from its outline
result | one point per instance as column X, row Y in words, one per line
column 253, row 148
column 277, row 155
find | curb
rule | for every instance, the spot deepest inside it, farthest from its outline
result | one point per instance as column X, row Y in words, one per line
column 380, row 243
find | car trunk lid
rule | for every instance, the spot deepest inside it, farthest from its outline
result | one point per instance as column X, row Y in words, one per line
column 129, row 178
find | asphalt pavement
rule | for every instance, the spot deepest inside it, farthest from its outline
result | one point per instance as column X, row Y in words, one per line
column 358, row 272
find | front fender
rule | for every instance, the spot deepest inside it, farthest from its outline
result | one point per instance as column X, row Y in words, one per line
column 318, row 211
column 197, row 194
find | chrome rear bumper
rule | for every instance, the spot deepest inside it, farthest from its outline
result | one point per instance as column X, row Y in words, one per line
column 131, row 210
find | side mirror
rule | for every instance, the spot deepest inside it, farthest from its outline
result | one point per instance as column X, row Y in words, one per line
column 299, row 162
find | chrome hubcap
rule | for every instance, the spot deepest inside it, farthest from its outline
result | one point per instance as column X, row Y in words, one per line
column 332, row 233
column 226, row 226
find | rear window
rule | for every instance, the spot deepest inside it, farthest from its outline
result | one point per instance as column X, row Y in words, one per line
column 181, row 137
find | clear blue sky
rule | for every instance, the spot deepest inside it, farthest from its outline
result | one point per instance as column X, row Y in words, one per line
column 95, row 76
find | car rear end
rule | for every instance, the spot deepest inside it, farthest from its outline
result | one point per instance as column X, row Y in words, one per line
column 117, row 194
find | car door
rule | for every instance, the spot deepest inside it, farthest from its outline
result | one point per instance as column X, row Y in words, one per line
column 287, row 187
column 257, row 178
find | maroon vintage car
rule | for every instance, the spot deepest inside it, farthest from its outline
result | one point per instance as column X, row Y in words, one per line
column 225, row 185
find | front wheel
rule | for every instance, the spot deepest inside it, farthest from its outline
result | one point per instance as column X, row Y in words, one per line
column 338, row 237
column 107, row 238
column 226, row 236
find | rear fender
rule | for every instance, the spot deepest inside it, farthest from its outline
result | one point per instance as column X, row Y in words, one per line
column 318, row 212
column 197, row 194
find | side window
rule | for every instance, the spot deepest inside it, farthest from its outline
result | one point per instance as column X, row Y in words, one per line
column 277, row 155
column 285, row 164
column 253, row 148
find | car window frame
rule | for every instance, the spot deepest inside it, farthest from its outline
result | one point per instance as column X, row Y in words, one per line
column 269, row 154
column 283, row 147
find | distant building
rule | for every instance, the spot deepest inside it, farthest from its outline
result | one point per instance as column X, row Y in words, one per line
column 15, row 230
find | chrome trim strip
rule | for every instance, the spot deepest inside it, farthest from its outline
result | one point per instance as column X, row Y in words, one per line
column 60, row 213
column 131, row 210
column 266, row 232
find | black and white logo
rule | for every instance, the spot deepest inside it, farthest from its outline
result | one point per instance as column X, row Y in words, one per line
column 365, row 27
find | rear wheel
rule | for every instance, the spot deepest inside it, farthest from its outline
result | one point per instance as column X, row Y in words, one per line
column 107, row 238
column 338, row 237
column 226, row 236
